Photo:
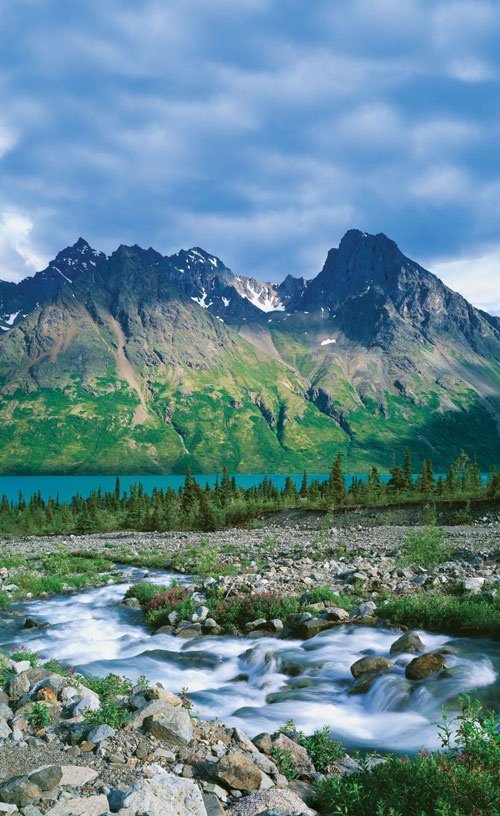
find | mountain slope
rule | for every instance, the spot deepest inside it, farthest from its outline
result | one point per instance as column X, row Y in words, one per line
column 144, row 363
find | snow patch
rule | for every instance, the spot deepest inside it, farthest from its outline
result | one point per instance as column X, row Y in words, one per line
column 327, row 341
column 226, row 301
column 10, row 319
column 202, row 301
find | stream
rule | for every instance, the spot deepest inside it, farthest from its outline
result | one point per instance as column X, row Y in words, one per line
column 259, row 683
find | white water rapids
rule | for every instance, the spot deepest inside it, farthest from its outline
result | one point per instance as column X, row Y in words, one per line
column 260, row 683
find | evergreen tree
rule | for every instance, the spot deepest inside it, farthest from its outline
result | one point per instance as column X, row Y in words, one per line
column 303, row 487
column 337, row 482
column 408, row 470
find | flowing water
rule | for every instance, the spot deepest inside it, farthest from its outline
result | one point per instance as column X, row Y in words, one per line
column 260, row 683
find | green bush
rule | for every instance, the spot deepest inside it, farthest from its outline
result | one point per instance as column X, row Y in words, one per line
column 322, row 749
column 108, row 688
column 458, row 615
column 111, row 713
column 460, row 781
column 328, row 596
column 144, row 592
column 234, row 614
column 284, row 762
column 426, row 548
column 38, row 716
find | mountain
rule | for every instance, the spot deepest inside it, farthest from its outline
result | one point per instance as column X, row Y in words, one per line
column 140, row 362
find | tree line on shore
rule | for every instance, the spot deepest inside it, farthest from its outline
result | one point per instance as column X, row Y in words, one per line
column 193, row 507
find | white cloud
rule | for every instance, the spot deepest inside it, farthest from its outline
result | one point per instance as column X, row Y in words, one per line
column 7, row 139
column 476, row 277
column 441, row 184
column 18, row 256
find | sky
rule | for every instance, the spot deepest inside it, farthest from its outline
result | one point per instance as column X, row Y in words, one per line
column 260, row 130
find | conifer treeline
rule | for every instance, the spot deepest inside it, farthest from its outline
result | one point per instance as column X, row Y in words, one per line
column 208, row 508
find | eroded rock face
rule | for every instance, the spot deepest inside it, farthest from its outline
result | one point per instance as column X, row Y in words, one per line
column 237, row 770
column 164, row 794
column 371, row 663
column 421, row 667
column 174, row 727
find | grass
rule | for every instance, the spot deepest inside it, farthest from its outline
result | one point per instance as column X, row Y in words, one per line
column 425, row 548
column 55, row 573
column 458, row 615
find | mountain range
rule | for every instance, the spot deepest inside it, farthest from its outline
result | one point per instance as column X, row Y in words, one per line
column 139, row 362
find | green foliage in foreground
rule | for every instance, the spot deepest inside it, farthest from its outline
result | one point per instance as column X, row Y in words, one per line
column 111, row 713
column 461, row 781
column 38, row 716
column 459, row 615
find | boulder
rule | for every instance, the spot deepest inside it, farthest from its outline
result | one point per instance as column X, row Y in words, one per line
column 174, row 727
column 473, row 584
column 18, row 685
column 238, row 771
column 5, row 729
column 75, row 776
column 311, row 627
column 163, row 794
column 283, row 801
column 363, row 683
column 408, row 643
column 371, row 663
column 19, row 791
column 299, row 755
column 364, row 610
column 155, row 708
column 159, row 693
column 47, row 778
column 421, row 667
column 258, row 623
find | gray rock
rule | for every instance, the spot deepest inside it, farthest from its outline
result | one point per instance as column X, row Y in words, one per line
column 421, row 667
column 5, row 730
column 364, row 610
column 174, row 727
column 283, row 801
column 19, row 791
column 473, row 584
column 299, row 755
column 88, row 805
column 100, row 733
column 335, row 613
column 18, row 685
column 237, row 770
column 212, row 804
column 47, row 778
column 164, row 794
column 258, row 623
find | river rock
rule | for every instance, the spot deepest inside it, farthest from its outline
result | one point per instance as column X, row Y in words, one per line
column 159, row 693
column 155, row 708
column 408, row 643
column 5, row 729
column 299, row 755
column 369, row 664
column 19, row 791
column 47, row 778
column 364, row 610
column 75, row 776
column 164, row 794
column 281, row 801
column 311, row 627
column 421, row 667
column 174, row 727
column 258, row 623
column 237, row 770
column 363, row 683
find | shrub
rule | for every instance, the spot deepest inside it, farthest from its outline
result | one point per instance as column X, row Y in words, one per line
column 460, row 781
column 111, row 713
column 176, row 599
column 426, row 547
column 284, row 763
column 144, row 592
column 24, row 654
column 108, row 688
column 458, row 615
column 328, row 596
column 38, row 716
column 234, row 614
column 322, row 749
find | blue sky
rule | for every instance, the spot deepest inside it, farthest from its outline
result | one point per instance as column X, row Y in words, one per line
column 258, row 129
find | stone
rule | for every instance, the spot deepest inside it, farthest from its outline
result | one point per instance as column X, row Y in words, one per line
column 371, row 663
column 31, row 810
column 243, row 742
column 237, row 770
column 263, row 742
column 18, row 685
column 5, row 730
column 335, row 613
column 100, row 733
column 408, row 643
column 299, row 755
column 132, row 603
column 31, row 623
column 191, row 630
column 421, row 667
column 297, row 619
column 276, row 625
column 76, row 776
column 212, row 804
column 174, row 727
column 19, row 791
column 89, row 805
column 311, row 627
column 47, row 778
column 159, row 693
column 6, row 712
column 258, row 623
column 8, row 809
column 363, row 683
column 365, row 609
column 20, row 666
column 163, row 794
column 283, row 801
column 155, row 708
column 200, row 614
column 87, row 699
column 473, row 584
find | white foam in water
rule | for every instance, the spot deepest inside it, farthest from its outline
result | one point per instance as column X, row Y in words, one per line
column 242, row 681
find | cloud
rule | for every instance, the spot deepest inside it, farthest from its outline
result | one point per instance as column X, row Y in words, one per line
column 475, row 276
column 260, row 129
column 18, row 257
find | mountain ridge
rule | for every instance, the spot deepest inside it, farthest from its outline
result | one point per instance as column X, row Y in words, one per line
column 180, row 361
